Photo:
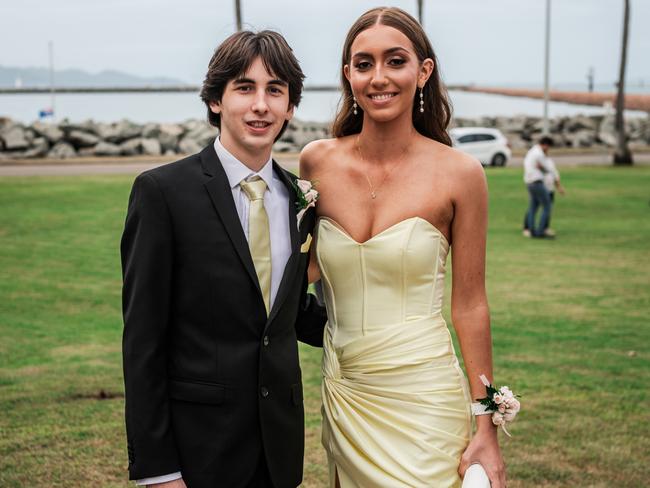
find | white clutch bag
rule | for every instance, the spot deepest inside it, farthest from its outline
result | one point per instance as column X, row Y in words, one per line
column 475, row 477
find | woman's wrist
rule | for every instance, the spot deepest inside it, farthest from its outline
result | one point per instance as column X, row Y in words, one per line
column 484, row 424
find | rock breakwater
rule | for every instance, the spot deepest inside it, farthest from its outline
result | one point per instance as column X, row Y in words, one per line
column 124, row 138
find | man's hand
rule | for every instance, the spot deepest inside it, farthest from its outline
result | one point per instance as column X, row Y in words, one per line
column 179, row 483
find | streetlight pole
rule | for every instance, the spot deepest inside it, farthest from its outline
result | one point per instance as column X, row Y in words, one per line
column 420, row 8
column 547, row 49
column 238, row 14
column 51, row 56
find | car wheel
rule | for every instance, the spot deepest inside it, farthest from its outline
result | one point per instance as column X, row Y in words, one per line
column 499, row 160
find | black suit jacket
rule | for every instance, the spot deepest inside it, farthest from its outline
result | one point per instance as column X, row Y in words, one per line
column 211, row 383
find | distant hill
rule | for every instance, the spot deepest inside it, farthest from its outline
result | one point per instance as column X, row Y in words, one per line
column 40, row 77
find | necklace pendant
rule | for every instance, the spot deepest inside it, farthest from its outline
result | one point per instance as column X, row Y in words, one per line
column 373, row 195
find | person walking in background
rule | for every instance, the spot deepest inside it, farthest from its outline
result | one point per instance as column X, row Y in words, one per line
column 536, row 165
column 551, row 182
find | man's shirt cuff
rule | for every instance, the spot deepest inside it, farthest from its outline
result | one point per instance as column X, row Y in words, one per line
column 159, row 479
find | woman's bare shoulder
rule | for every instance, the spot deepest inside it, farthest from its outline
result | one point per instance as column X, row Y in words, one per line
column 317, row 153
column 454, row 162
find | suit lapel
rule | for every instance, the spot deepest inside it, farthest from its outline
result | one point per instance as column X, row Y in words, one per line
column 292, row 263
column 220, row 193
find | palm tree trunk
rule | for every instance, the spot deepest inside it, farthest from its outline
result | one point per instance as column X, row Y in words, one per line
column 622, row 154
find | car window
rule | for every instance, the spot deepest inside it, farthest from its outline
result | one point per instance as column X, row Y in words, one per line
column 467, row 138
column 485, row 137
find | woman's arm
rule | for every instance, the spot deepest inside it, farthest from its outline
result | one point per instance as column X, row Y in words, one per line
column 469, row 308
column 308, row 162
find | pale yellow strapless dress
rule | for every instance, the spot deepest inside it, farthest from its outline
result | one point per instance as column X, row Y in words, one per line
column 396, row 408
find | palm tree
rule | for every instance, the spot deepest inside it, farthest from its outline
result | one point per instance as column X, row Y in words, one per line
column 238, row 14
column 622, row 154
column 420, row 2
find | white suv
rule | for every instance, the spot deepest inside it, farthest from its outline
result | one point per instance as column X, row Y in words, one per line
column 489, row 146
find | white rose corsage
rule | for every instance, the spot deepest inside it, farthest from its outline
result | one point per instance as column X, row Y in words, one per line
column 307, row 197
column 502, row 404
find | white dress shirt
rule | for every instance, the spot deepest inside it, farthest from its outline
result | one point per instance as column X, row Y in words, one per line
column 535, row 157
column 552, row 176
column 276, row 203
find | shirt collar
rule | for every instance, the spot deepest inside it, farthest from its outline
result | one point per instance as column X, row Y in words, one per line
column 236, row 171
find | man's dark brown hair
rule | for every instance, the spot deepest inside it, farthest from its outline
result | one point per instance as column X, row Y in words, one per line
column 236, row 54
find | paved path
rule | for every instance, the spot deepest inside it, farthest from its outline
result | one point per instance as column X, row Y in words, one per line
column 119, row 167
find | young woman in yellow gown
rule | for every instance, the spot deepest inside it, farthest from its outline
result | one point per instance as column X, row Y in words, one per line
column 395, row 198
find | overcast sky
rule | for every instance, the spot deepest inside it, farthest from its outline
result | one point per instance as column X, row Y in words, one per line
column 480, row 41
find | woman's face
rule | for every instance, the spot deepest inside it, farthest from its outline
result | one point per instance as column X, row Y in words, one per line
column 384, row 72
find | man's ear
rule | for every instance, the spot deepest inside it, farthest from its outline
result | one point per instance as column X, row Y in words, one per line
column 290, row 112
column 215, row 107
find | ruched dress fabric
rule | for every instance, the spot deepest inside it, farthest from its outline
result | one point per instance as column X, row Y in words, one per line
column 396, row 405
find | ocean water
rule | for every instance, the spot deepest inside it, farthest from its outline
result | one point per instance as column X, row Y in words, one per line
column 315, row 106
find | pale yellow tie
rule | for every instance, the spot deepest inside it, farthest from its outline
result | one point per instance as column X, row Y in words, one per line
column 259, row 237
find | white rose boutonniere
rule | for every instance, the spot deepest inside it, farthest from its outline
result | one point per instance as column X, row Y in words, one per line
column 307, row 197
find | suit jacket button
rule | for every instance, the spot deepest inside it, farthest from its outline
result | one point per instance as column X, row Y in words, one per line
column 266, row 340
column 264, row 391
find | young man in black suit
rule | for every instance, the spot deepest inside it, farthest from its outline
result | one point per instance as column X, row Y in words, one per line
column 215, row 277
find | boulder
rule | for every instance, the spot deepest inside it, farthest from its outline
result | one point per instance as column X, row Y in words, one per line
column 107, row 149
column 39, row 148
column 50, row 131
column 30, row 135
column 189, row 146
column 82, row 139
column 151, row 147
column 104, row 130
column 14, row 138
column 121, row 131
column 150, row 130
column 200, row 131
column 607, row 131
column 85, row 126
column 62, row 150
column 512, row 125
column 132, row 147
column 579, row 123
column 169, row 136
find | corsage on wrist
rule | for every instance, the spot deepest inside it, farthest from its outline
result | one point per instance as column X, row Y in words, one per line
column 502, row 404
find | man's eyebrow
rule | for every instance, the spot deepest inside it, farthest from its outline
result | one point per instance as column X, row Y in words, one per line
column 387, row 51
column 249, row 81
column 278, row 81
column 243, row 81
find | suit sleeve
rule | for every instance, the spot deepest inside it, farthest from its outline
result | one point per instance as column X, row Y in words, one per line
column 311, row 314
column 147, row 260
column 311, row 319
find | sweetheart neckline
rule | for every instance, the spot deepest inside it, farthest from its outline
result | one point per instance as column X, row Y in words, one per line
column 344, row 232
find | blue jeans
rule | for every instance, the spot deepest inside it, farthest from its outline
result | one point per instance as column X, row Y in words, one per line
column 551, row 195
column 538, row 197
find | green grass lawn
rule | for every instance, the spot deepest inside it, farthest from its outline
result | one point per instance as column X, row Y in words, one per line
column 570, row 323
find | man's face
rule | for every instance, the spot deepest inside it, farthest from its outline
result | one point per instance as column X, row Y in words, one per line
column 545, row 148
column 253, row 109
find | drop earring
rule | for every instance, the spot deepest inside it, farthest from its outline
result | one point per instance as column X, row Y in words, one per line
column 354, row 106
column 421, row 101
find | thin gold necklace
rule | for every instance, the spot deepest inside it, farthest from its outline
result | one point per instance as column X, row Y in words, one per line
column 374, row 189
